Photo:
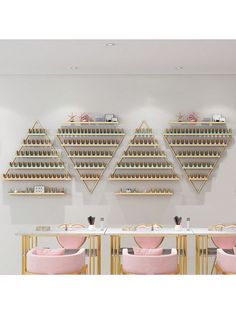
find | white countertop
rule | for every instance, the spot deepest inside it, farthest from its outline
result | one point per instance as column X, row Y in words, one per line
column 157, row 231
column 55, row 231
column 206, row 231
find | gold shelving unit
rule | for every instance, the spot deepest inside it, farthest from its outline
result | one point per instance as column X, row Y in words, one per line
column 90, row 122
column 35, row 194
column 90, row 140
column 197, row 122
column 191, row 143
column 143, row 161
column 145, row 193
column 41, row 150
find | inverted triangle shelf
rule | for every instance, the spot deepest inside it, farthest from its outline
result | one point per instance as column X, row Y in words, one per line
column 198, row 147
column 90, row 146
column 143, row 161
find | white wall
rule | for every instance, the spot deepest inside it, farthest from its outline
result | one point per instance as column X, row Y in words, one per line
column 156, row 99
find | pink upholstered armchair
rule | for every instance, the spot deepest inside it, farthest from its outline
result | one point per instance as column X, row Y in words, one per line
column 55, row 264
column 224, row 242
column 70, row 259
column 149, row 264
column 225, row 263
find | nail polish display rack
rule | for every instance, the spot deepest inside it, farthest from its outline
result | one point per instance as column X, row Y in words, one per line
column 36, row 160
column 198, row 147
column 90, row 147
column 144, row 161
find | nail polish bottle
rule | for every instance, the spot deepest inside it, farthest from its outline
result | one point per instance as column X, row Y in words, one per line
column 102, row 223
column 188, row 223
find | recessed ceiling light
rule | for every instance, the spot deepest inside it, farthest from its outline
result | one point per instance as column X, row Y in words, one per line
column 179, row 68
column 74, row 68
column 110, row 44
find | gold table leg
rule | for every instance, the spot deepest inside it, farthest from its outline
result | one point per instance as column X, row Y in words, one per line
column 26, row 245
column 185, row 257
column 98, row 255
column 206, row 240
column 178, row 246
column 90, row 257
column 114, row 255
column 23, row 255
column 117, row 255
column 197, row 244
column 186, row 254
column 203, row 256
column 111, row 256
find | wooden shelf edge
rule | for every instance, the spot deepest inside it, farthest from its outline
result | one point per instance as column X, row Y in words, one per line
column 71, row 156
column 143, row 193
column 90, row 168
column 89, row 179
column 21, row 156
column 36, row 145
column 143, row 145
column 197, row 134
column 36, row 179
column 179, row 156
column 91, row 134
column 34, row 194
column 89, row 145
column 91, row 122
column 144, row 168
column 163, row 156
column 145, row 179
column 198, row 145
column 197, row 122
column 37, row 168
column 198, row 168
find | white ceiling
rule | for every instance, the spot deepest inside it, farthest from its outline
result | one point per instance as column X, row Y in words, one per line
column 126, row 57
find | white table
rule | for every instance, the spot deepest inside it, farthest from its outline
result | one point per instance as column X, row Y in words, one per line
column 30, row 236
column 116, row 234
column 202, row 236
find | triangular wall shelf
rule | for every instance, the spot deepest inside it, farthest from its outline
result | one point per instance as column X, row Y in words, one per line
column 37, row 160
column 198, row 147
column 143, row 161
column 90, row 146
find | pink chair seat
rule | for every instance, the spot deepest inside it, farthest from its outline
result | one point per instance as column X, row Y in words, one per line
column 71, row 242
column 57, row 264
column 150, row 265
column 226, row 262
column 225, row 242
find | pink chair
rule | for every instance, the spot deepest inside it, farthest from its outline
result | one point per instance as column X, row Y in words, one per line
column 224, row 242
column 70, row 261
column 225, row 263
column 71, row 242
column 148, row 242
column 56, row 264
column 149, row 265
